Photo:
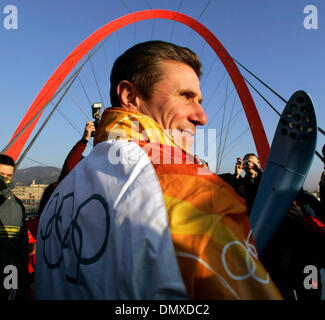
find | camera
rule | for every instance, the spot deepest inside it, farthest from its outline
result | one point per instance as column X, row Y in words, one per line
column 96, row 112
column 247, row 163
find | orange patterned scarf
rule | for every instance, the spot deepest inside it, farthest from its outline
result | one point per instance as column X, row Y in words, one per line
column 209, row 223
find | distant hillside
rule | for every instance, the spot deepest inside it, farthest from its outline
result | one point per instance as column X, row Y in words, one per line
column 41, row 175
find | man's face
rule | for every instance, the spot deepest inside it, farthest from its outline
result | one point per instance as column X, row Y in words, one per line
column 252, row 162
column 175, row 102
column 7, row 171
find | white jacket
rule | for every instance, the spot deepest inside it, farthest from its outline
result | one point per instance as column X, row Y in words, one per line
column 104, row 232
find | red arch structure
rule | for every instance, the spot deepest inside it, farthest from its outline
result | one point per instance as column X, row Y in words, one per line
column 33, row 114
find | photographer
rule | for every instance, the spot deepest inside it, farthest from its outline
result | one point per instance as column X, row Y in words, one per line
column 75, row 155
column 296, row 243
column 247, row 186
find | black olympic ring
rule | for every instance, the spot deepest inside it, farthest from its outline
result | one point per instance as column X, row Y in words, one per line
column 69, row 238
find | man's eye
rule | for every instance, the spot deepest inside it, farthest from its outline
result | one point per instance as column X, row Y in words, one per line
column 186, row 95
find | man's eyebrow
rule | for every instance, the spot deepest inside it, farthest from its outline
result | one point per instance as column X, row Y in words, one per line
column 192, row 93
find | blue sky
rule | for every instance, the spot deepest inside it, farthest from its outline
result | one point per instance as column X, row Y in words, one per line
column 268, row 37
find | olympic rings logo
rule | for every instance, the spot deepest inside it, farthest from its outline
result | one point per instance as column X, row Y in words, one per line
column 68, row 244
column 251, row 255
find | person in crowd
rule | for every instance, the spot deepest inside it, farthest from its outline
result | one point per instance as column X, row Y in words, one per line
column 309, row 204
column 298, row 240
column 246, row 186
column 322, row 190
column 14, row 279
column 72, row 159
column 46, row 196
column 323, row 154
column 140, row 217
column 32, row 225
column 75, row 155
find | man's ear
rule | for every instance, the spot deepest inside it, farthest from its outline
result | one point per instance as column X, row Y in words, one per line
column 128, row 95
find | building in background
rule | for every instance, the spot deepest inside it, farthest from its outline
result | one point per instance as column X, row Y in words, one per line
column 30, row 196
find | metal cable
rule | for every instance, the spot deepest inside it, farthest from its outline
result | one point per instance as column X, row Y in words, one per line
column 174, row 22
column 227, row 132
column 43, row 164
column 273, row 108
column 210, row 69
column 44, row 123
column 64, row 116
column 228, row 125
column 278, row 113
column 201, row 14
column 230, row 65
column 44, row 107
column 125, row 6
column 268, row 87
column 206, row 6
column 118, row 42
column 148, row 4
column 93, row 71
column 215, row 90
column 153, row 21
column 129, row 11
column 210, row 121
column 84, row 89
column 222, row 123
column 236, row 140
column 202, row 50
column 79, row 106
column 273, row 91
column 72, row 124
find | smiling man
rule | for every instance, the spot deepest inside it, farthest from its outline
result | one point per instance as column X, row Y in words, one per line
column 162, row 83
column 175, row 102
column 137, row 219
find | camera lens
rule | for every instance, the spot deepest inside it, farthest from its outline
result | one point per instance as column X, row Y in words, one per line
column 247, row 163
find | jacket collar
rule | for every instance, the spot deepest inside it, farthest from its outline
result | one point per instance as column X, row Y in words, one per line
column 120, row 123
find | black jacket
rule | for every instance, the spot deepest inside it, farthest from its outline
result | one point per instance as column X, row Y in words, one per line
column 13, row 245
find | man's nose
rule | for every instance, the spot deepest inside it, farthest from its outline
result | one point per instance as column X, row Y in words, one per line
column 198, row 115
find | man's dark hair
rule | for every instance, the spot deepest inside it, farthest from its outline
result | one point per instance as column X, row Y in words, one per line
column 7, row 160
column 247, row 155
column 141, row 66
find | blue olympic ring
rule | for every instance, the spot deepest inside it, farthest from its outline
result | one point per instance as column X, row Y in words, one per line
column 69, row 238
